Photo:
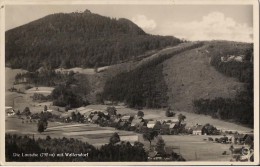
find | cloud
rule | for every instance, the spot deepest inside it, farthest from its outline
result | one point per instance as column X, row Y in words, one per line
column 145, row 23
column 214, row 26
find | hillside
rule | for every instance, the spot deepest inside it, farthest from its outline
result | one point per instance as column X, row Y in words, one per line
column 78, row 40
column 190, row 76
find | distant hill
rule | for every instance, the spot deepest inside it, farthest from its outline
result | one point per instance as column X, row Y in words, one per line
column 78, row 40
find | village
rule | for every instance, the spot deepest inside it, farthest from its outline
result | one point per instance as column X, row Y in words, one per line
column 138, row 127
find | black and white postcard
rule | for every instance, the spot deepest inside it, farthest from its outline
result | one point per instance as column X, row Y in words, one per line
column 129, row 82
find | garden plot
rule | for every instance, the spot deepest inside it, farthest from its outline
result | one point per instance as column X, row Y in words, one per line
column 89, row 133
column 40, row 90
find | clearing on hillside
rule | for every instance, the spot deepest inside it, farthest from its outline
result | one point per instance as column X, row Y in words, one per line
column 190, row 76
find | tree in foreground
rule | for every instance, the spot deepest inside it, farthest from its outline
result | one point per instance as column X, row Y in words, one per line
column 41, row 127
column 114, row 138
column 160, row 145
column 149, row 136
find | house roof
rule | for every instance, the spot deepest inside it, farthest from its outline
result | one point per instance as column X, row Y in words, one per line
column 95, row 117
column 249, row 140
column 174, row 120
column 126, row 117
column 151, row 124
column 122, row 123
column 198, row 128
column 136, row 122
column 141, row 124
column 117, row 120
column 172, row 125
column 85, row 110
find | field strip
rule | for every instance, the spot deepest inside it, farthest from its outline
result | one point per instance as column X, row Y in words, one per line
column 11, row 130
column 67, row 126
column 88, row 132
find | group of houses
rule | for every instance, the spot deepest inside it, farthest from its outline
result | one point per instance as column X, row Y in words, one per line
column 9, row 111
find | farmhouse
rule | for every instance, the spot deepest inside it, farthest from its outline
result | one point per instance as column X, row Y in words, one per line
column 154, row 125
column 246, row 139
column 173, row 120
column 136, row 122
column 10, row 113
column 126, row 118
column 197, row 130
column 95, row 118
column 165, row 129
column 173, row 128
column 122, row 125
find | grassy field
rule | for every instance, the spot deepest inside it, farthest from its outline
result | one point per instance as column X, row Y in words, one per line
column 190, row 76
column 194, row 148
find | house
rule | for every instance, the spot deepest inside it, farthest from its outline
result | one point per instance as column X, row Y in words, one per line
column 154, row 125
column 10, row 112
column 239, row 58
column 246, row 139
column 249, row 139
column 47, row 110
column 173, row 128
column 122, row 125
column 107, row 102
column 126, row 118
column 197, row 130
column 173, row 120
column 136, row 122
column 95, row 118
column 165, row 129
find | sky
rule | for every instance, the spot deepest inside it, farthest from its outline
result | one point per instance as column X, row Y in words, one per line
column 190, row 22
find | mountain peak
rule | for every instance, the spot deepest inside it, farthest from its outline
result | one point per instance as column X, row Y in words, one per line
column 78, row 39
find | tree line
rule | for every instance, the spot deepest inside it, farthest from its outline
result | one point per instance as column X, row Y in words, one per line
column 108, row 152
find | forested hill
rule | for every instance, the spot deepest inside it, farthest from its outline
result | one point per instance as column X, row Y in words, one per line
column 78, row 40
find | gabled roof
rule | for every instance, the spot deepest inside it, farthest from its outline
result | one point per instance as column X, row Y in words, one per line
column 151, row 124
column 136, row 122
column 198, row 128
column 172, row 125
column 141, row 124
column 85, row 110
column 126, row 117
column 117, row 120
column 173, row 120
column 122, row 124
column 95, row 117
